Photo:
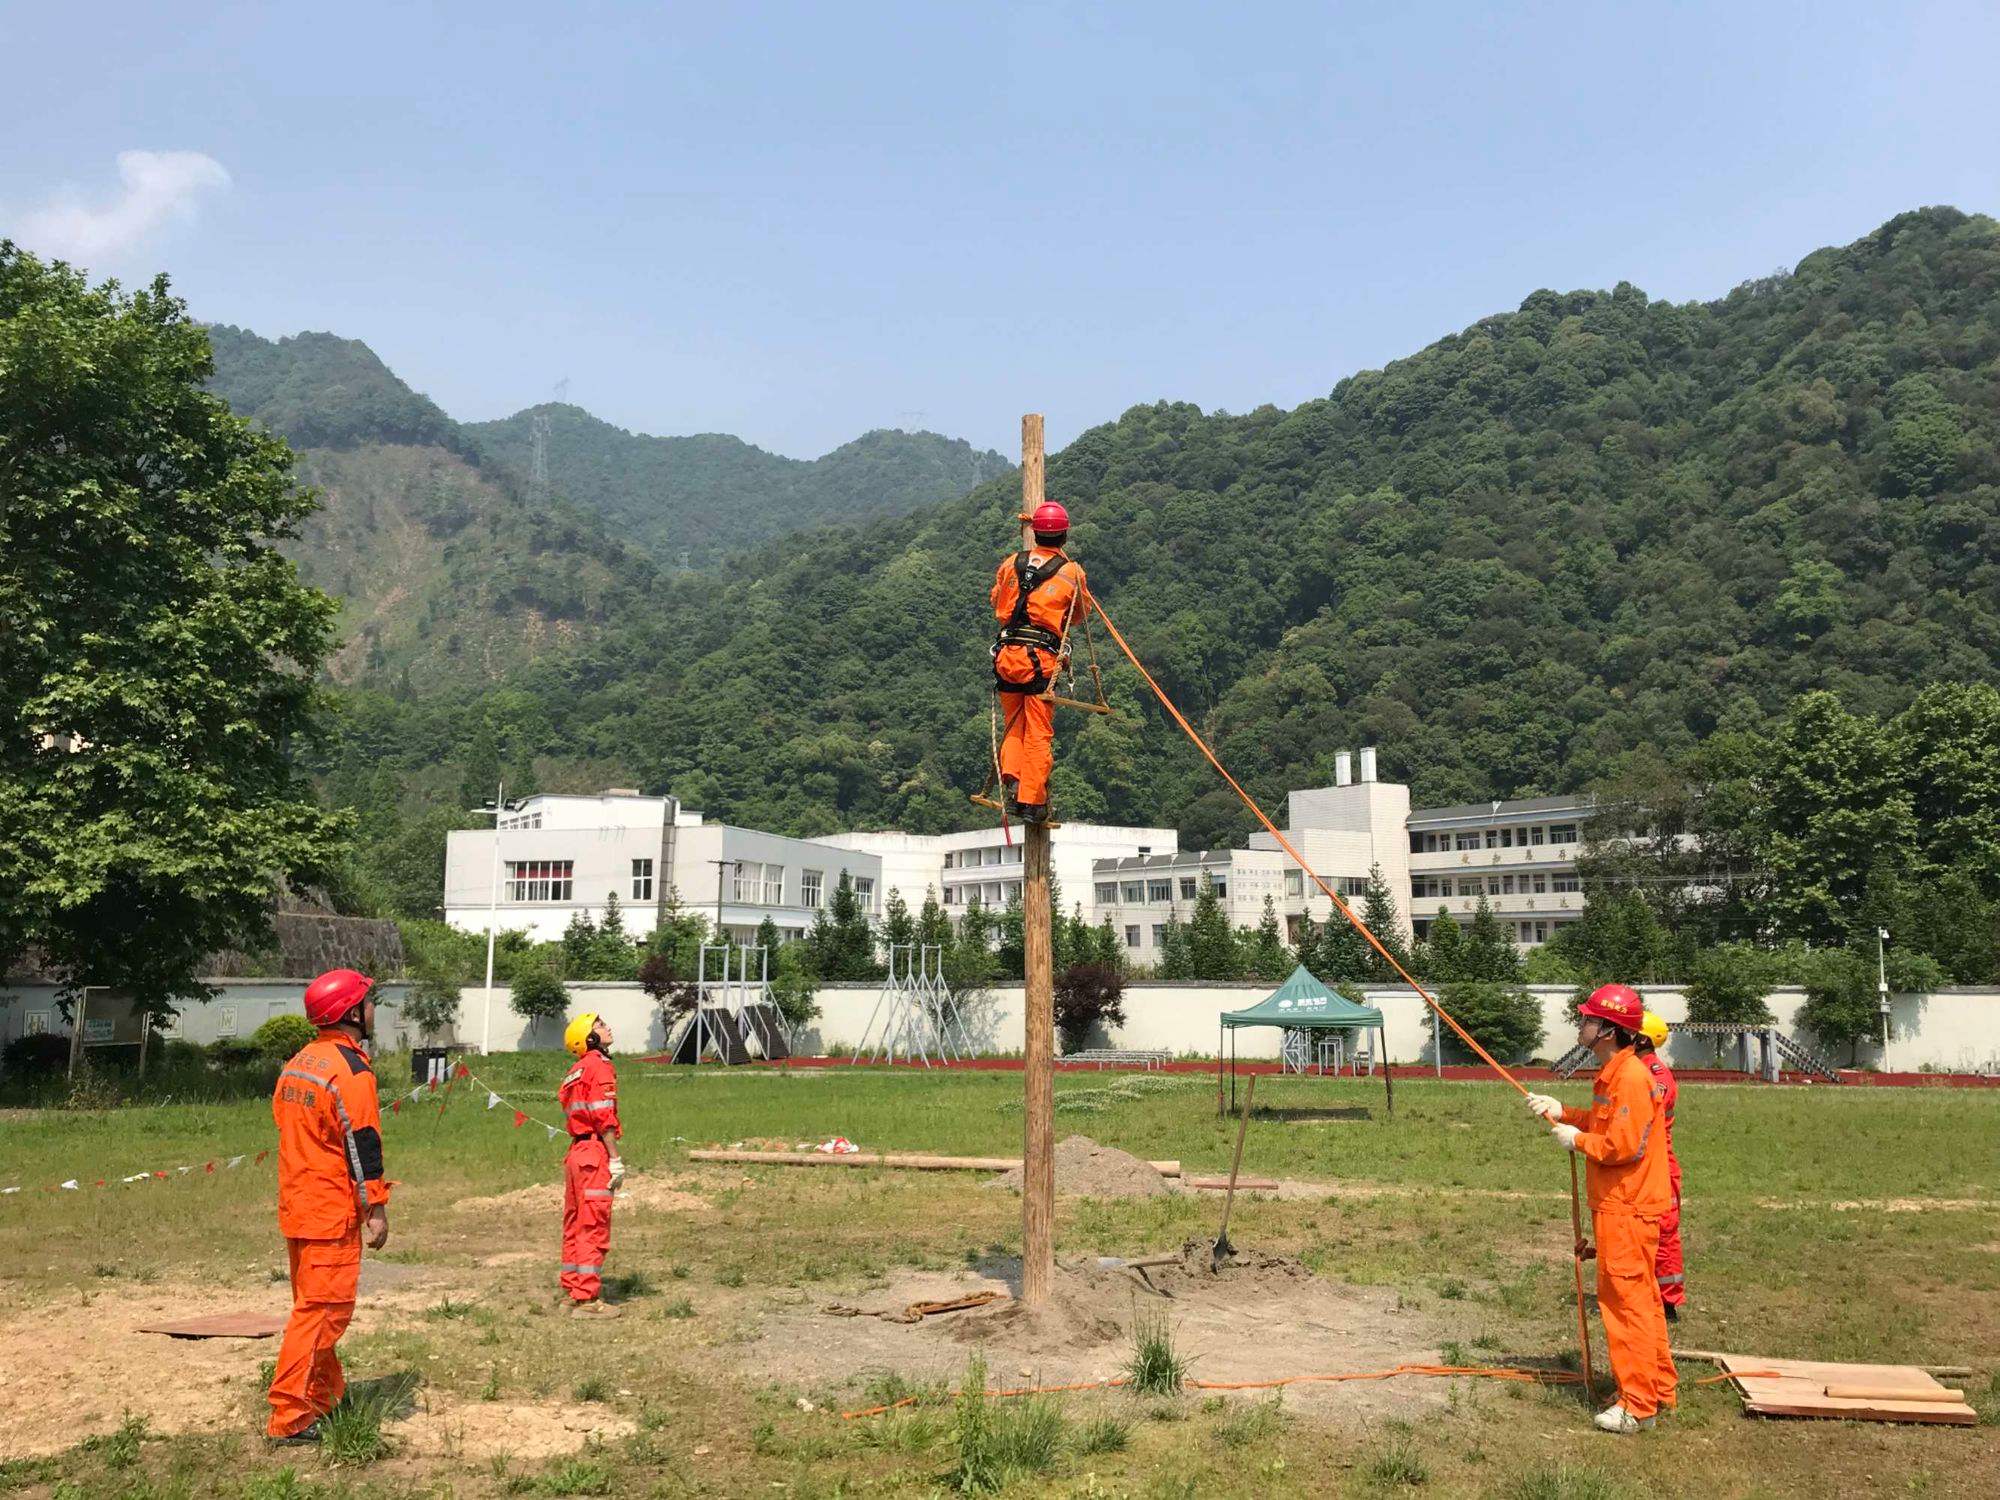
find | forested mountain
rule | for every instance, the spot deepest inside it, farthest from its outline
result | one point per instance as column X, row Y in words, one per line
column 445, row 571
column 1594, row 526
column 685, row 500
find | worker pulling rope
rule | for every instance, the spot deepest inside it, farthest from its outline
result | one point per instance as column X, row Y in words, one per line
column 1580, row 1252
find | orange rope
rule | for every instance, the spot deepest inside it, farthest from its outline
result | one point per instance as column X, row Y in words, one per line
column 1272, row 828
column 1493, row 1372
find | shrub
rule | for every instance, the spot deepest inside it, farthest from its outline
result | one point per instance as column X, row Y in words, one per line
column 660, row 977
column 1087, row 995
column 39, row 1055
column 282, row 1036
column 1157, row 1367
column 1504, row 1020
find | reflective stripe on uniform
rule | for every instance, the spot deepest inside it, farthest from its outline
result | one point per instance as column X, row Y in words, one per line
column 1601, row 1099
column 599, row 1193
column 346, row 1130
column 1673, row 1280
column 593, row 1104
column 582, row 1270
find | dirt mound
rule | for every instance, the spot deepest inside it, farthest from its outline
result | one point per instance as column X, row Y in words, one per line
column 1085, row 1169
column 657, row 1194
column 491, row 1429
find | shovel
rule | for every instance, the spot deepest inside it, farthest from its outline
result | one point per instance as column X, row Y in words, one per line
column 1223, row 1249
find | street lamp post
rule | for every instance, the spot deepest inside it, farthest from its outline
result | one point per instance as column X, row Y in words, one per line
column 1882, row 990
column 492, row 921
column 719, row 868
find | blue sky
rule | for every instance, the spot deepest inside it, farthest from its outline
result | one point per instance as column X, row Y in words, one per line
column 794, row 223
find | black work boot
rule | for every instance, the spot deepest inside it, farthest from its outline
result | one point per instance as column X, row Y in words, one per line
column 1032, row 812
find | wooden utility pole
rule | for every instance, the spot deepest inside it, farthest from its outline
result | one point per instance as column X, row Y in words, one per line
column 1038, row 1162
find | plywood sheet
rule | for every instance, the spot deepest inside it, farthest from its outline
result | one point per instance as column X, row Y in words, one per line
column 1797, row 1388
column 236, row 1325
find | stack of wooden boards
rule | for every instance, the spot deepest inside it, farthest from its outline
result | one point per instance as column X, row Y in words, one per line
column 1860, row 1393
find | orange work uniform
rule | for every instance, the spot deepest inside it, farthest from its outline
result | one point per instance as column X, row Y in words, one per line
column 1670, row 1269
column 590, row 1108
column 329, row 1176
column 1033, row 633
column 1626, row 1177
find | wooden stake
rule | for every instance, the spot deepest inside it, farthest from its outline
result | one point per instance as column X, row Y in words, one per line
column 1038, row 1161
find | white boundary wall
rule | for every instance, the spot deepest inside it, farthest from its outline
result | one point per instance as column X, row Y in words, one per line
column 1956, row 1030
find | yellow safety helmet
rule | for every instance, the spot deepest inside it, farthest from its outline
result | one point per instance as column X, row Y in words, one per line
column 576, row 1035
column 1653, row 1028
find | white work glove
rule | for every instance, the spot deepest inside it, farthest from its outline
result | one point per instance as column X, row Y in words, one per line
column 617, row 1173
column 1548, row 1108
column 1566, row 1136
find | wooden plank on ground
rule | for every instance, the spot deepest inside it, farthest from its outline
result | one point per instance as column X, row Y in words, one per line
column 236, row 1325
column 1798, row 1388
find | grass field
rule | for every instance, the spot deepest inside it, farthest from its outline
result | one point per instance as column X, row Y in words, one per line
column 1859, row 1225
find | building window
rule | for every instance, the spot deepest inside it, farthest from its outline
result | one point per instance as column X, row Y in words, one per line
column 1492, row 885
column 1132, row 937
column 1221, row 884
column 1541, row 885
column 1187, row 888
column 1564, row 883
column 812, row 888
column 1541, row 932
column 1159, row 934
column 1160, row 890
column 1295, row 884
column 642, row 880
column 1468, row 841
column 774, row 885
column 864, row 891
column 540, row 879
column 1135, row 892
column 1534, row 835
column 1014, row 890
column 1107, row 893
column 1507, row 885
column 1562, row 833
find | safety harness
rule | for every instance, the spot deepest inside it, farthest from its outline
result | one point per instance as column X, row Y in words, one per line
column 1019, row 630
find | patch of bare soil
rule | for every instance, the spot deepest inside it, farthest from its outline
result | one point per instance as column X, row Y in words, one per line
column 1883, row 1205
column 446, row 1427
column 1085, row 1169
column 1260, row 1317
column 1293, row 1189
column 655, row 1194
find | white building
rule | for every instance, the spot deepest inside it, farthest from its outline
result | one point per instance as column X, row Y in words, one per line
column 1519, row 855
column 1141, row 894
column 560, row 855
column 981, row 862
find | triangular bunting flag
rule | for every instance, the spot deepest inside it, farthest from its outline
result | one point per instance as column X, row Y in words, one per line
column 551, row 1130
column 5, row 1191
column 183, row 1170
column 395, row 1106
column 464, row 1071
column 100, row 1182
column 260, row 1158
column 71, row 1186
column 209, row 1168
column 234, row 1161
column 491, row 1098
column 520, row 1119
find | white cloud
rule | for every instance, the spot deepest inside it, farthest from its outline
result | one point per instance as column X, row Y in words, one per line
column 154, row 187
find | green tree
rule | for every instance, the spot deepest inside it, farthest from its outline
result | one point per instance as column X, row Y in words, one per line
column 679, row 935
column 1505, row 1019
column 1268, row 958
column 1443, row 956
column 538, row 995
column 971, row 964
column 279, row 1038
column 1176, row 951
column 579, row 940
column 933, row 926
column 846, row 946
column 1729, row 983
column 1213, row 951
column 1013, row 950
column 1487, row 954
column 794, row 990
column 431, row 1003
column 1343, row 953
column 899, row 928
column 479, row 767
column 1378, row 910
column 159, row 659
column 1105, row 947
column 1307, row 941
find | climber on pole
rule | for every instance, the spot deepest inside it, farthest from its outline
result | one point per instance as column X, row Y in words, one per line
column 1038, row 594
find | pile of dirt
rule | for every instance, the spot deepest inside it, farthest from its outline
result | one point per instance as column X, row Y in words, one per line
column 1085, row 1169
column 658, row 1194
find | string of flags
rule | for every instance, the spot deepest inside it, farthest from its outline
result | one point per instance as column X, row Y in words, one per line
column 441, row 1091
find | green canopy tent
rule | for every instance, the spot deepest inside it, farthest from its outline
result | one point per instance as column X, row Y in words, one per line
column 1301, row 1004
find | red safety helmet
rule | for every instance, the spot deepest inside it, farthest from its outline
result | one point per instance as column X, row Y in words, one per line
column 334, row 994
column 1049, row 518
column 1617, row 1003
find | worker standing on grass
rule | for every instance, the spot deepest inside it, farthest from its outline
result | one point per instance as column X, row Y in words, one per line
column 1670, row 1270
column 593, row 1169
column 1038, row 594
column 1622, row 1137
column 331, row 1194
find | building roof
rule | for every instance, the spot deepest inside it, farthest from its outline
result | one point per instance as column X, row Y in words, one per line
column 1517, row 807
column 1302, row 1000
column 1138, row 864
